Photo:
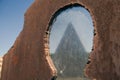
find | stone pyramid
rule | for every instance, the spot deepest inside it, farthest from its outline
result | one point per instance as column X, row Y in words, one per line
column 70, row 56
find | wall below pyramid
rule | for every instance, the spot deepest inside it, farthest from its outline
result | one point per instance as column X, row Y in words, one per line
column 29, row 58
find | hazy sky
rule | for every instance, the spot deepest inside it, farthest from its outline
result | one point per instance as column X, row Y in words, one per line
column 82, row 22
column 11, row 21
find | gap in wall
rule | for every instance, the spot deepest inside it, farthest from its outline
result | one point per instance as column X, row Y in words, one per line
column 71, row 41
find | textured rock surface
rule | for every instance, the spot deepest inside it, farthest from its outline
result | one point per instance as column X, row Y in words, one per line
column 1, row 60
column 70, row 56
column 29, row 58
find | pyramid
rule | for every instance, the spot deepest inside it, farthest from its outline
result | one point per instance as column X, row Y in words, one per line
column 70, row 56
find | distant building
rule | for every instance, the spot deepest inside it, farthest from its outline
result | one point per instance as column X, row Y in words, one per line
column 1, row 59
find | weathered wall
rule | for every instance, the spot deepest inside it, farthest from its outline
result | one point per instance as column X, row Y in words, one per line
column 29, row 58
column 1, row 60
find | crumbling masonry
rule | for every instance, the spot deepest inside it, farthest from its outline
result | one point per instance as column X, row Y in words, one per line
column 28, row 58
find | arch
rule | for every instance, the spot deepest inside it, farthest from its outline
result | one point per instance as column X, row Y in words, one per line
column 54, row 16
column 31, row 46
column 56, row 13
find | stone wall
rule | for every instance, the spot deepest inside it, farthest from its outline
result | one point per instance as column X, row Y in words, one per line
column 28, row 58
column 0, row 65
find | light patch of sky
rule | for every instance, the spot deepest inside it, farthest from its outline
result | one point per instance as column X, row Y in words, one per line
column 11, row 21
column 82, row 22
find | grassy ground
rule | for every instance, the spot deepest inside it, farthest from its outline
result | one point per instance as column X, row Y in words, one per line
column 78, row 78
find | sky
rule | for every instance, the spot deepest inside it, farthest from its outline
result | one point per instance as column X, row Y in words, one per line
column 11, row 21
column 82, row 22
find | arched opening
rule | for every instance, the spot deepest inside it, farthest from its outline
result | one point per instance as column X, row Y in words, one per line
column 70, row 34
